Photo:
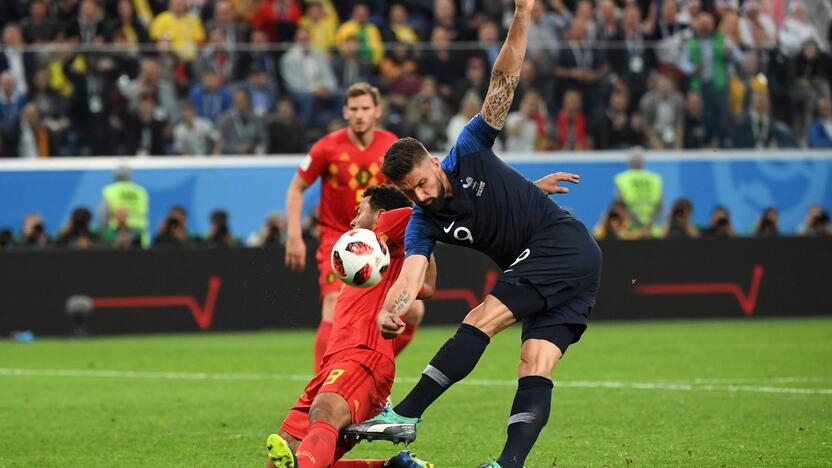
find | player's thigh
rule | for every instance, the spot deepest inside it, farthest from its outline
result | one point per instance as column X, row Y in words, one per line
column 332, row 408
column 491, row 316
column 363, row 380
column 415, row 314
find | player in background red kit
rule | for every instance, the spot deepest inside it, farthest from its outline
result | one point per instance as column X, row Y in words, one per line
column 347, row 161
column 358, row 367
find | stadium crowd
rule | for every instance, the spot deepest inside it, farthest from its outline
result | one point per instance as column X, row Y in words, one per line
column 202, row 77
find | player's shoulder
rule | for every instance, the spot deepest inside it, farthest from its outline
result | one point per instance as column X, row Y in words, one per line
column 385, row 135
column 331, row 141
column 397, row 215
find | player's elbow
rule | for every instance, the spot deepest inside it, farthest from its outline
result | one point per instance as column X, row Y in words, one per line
column 428, row 288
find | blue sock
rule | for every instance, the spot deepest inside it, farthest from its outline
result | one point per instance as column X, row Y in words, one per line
column 529, row 414
column 454, row 360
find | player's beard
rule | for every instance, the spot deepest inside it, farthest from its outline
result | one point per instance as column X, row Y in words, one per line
column 440, row 200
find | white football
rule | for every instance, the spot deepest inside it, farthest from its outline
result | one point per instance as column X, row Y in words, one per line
column 360, row 258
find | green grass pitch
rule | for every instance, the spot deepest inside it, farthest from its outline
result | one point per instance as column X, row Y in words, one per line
column 650, row 394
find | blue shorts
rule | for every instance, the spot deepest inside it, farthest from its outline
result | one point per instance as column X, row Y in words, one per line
column 552, row 286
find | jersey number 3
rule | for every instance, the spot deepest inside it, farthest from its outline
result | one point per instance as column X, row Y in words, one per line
column 333, row 376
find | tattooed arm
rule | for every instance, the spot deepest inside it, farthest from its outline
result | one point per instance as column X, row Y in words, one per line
column 401, row 296
column 507, row 67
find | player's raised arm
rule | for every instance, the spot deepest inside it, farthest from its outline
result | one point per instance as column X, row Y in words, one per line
column 506, row 72
column 401, row 295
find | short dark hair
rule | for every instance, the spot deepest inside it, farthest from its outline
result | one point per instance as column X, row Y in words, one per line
column 401, row 157
column 386, row 197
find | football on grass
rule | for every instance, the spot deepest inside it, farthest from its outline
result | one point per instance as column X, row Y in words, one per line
column 360, row 258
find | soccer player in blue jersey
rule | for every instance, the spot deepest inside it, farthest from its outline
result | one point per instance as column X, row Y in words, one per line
column 551, row 265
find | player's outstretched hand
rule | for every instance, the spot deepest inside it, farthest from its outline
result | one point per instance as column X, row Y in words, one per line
column 390, row 325
column 295, row 254
column 549, row 184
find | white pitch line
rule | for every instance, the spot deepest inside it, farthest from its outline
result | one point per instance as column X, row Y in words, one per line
column 602, row 384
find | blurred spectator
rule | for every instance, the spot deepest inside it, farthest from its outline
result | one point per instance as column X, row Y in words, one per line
column 370, row 46
column 399, row 73
column 145, row 133
column 398, row 29
column 476, row 79
column 348, row 67
column 76, row 233
column 195, row 136
column 679, row 224
column 279, row 18
column 444, row 16
column 526, row 128
column 219, row 234
column 6, row 240
column 38, row 27
column 286, row 134
column 641, row 192
column 730, row 29
column 581, row 67
column 150, row 82
column 321, row 20
column 663, row 112
column 33, row 236
column 269, row 236
column 747, row 80
column 669, row 35
column 584, row 14
column 631, row 61
column 812, row 73
column 260, row 56
column 234, row 32
column 697, row 135
column 617, row 129
column 184, row 30
column 216, row 56
column 705, row 61
column 308, row 77
column 468, row 108
column 797, row 30
column 29, row 138
column 210, row 98
column 262, row 95
column 758, row 129
column 240, row 130
column 720, row 225
column 488, row 36
column 751, row 16
column 820, row 133
column 122, row 236
column 820, row 225
column 173, row 230
column 609, row 20
column 11, row 101
column 615, row 224
column 127, row 24
column 772, row 64
column 813, row 212
column 542, row 38
column 767, row 226
column 129, row 197
column 426, row 117
column 88, row 27
column 93, row 103
column 571, row 123
column 441, row 62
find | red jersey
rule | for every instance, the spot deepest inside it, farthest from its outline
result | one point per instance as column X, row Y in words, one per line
column 354, row 325
column 345, row 172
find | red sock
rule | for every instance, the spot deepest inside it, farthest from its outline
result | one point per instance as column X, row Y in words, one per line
column 359, row 464
column 403, row 339
column 321, row 339
column 317, row 449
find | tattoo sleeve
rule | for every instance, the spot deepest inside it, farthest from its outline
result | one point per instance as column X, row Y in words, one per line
column 400, row 303
column 499, row 97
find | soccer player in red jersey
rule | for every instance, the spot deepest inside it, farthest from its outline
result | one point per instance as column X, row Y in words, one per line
column 358, row 366
column 347, row 161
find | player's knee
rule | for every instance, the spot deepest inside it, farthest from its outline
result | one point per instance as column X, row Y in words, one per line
column 490, row 317
column 290, row 441
column 538, row 357
column 415, row 314
column 331, row 409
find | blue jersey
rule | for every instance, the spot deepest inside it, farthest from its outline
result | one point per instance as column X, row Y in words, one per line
column 494, row 209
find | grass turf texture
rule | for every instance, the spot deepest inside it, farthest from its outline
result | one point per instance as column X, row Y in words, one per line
column 709, row 409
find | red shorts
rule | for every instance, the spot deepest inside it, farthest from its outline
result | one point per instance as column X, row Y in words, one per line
column 363, row 377
column 327, row 280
